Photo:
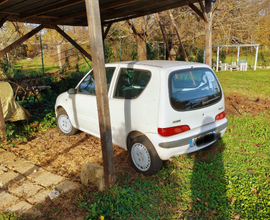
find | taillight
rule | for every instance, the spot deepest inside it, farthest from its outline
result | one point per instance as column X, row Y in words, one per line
column 173, row 130
column 220, row 116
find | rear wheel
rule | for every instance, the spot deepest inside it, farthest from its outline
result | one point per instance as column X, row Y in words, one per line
column 64, row 124
column 144, row 156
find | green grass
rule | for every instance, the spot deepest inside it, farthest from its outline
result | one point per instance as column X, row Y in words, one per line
column 251, row 84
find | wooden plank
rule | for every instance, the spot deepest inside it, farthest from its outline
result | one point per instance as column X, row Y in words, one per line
column 97, row 48
column 52, row 8
column 208, row 33
column 21, row 40
column 3, row 130
column 197, row 11
column 69, row 39
column 3, row 1
column 137, row 14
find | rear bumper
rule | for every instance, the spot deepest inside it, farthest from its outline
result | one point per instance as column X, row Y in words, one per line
column 168, row 147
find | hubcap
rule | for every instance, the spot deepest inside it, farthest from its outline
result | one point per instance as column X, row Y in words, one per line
column 140, row 156
column 64, row 123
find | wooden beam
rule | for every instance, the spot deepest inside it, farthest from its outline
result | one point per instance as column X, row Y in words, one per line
column 197, row 11
column 21, row 40
column 52, row 8
column 116, row 4
column 139, row 14
column 208, row 33
column 60, row 31
column 3, row 20
column 97, row 48
column 206, row 18
column 102, row 8
column 3, row 129
column 107, row 31
column 3, row 1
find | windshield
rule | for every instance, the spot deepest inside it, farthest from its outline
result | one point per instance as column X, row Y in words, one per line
column 193, row 88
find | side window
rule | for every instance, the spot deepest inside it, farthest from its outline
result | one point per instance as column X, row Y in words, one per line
column 131, row 83
column 88, row 85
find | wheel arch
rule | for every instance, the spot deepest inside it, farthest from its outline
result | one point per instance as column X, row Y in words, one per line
column 132, row 135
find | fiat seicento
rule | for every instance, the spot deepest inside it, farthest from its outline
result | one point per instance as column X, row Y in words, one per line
column 158, row 109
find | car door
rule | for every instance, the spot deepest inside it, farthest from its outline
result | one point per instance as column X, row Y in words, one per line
column 86, row 103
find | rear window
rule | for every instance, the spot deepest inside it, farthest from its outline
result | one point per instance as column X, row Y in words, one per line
column 193, row 88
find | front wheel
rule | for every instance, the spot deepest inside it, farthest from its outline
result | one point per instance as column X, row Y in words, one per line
column 64, row 124
column 144, row 156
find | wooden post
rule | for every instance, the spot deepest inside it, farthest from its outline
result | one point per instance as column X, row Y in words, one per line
column 256, row 57
column 208, row 33
column 217, row 58
column 96, row 42
column 238, row 53
column 2, row 122
column 21, row 40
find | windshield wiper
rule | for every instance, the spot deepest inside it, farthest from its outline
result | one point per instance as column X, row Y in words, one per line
column 205, row 102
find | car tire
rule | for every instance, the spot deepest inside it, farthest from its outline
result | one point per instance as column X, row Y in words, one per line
column 144, row 156
column 64, row 124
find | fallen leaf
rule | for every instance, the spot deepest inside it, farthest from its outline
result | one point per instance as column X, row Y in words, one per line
column 161, row 183
column 178, row 198
column 213, row 212
column 206, row 203
column 198, row 199
column 237, row 216
column 252, row 188
column 251, row 171
column 231, row 200
column 267, row 175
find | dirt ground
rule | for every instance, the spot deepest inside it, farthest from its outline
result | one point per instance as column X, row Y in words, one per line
column 65, row 156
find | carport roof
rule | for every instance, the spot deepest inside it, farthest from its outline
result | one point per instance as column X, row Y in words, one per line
column 73, row 12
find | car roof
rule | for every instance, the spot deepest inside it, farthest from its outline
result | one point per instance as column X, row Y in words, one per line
column 158, row 63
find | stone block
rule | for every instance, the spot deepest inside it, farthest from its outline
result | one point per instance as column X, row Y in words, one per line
column 7, row 199
column 23, row 167
column 67, row 186
column 45, row 178
column 93, row 173
column 23, row 207
column 39, row 197
column 26, row 190
column 6, row 157
column 7, row 179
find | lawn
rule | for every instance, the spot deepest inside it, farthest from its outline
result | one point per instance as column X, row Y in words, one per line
column 227, row 181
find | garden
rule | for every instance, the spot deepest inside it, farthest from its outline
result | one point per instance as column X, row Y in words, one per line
column 227, row 181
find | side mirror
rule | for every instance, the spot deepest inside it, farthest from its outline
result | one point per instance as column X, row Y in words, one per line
column 71, row 91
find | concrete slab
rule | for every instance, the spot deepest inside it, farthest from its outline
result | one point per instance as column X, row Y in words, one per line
column 7, row 199
column 47, row 179
column 39, row 197
column 7, row 179
column 26, row 190
column 67, row 186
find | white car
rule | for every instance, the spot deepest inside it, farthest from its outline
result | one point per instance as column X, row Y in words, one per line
column 158, row 109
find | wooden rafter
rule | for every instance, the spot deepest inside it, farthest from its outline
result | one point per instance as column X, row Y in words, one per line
column 107, row 31
column 2, row 21
column 197, row 11
column 136, row 14
column 131, row 8
column 52, row 8
column 204, row 11
column 102, row 8
column 60, row 31
column 3, row 1
column 21, row 40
